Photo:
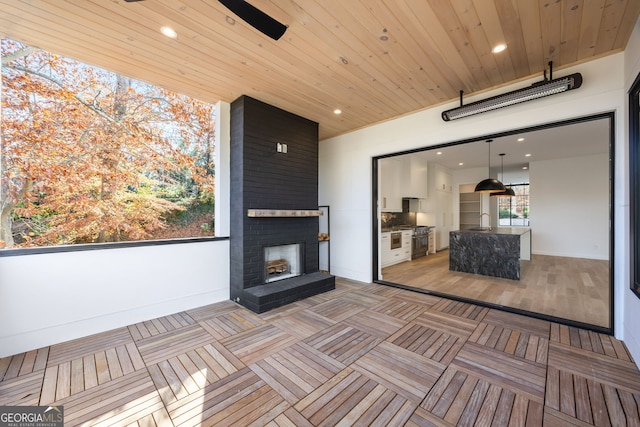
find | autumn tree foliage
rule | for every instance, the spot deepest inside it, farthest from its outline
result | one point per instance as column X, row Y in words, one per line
column 91, row 156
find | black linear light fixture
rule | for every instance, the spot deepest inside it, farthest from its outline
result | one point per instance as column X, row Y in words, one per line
column 535, row 91
column 508, row 191
column 256, row 18
column 489, row 185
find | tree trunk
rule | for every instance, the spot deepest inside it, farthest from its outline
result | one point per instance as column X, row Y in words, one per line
column 6, row 222
column 119, row 113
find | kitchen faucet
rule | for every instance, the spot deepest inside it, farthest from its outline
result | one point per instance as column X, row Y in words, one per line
column 487, row 214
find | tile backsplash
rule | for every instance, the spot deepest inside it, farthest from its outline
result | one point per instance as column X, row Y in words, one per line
column 392, row 219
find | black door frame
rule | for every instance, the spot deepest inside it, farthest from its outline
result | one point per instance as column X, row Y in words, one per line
column 607, row 115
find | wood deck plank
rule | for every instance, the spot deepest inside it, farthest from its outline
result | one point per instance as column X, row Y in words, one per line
column 613, row 371
column 290, row 418
column 49, row 385
column 598, row 403
column 102, row 367
column 349, row 357
column 77, row 376
column 504, row 408
column 28, row 363
column 461, row 400
column 24, row 390
column 583, row 405
column 489, row 406
column 89, row 371
column 400, row 309
column 519, row 412
column 375, row 324
column 88, row 345
column 614, row 406
column 474, row 403
column 406, row 373
column 126, row 364
column 567, row 398
column 13, row 370
column 630, row 407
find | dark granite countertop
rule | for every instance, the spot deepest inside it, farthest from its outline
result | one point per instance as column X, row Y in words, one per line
column 403, row 228
column 500, row 230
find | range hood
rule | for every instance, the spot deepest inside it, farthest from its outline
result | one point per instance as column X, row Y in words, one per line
column 410, row 204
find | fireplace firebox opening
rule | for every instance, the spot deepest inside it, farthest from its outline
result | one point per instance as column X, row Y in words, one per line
column 283, row 262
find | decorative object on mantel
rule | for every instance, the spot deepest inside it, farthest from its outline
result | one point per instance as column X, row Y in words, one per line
column 490, row 185
column 282, row 213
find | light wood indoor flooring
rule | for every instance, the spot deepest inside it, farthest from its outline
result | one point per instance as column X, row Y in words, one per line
column 363, row 354
column 570, row 288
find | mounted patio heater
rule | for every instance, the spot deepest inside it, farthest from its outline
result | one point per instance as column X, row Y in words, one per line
column 535, row 91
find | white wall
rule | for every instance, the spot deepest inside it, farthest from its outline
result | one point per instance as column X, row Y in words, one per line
column 569, row 201
column 51, row 298
column 345, row 161
column 630, row 305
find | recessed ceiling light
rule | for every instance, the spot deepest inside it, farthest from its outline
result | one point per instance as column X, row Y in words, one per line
column 439, row 153
column 527, row 155
column 499, row 48
column 169, row 32
column 460, row 164
column 337, row 111
column 520, row 139
column 525, row 168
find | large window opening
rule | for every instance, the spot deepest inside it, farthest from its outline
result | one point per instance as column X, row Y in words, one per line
column 562, row 175
column 90, row 156
column 514, row 211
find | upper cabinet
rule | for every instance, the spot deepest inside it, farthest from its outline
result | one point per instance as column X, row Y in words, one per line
column 390, row 183
column 440, row 178
column 415, row 177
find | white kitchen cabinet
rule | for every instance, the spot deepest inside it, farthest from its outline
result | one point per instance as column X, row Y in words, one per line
column 440, row 178
column 394, row 256
column 390, row 198
column 414, row 177
column 419, row 205
column 440, row 203
column 385, row 249
column 406, row 245
column 431, row 246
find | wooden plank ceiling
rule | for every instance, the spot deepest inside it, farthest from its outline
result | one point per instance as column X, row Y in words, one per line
column 374, row 60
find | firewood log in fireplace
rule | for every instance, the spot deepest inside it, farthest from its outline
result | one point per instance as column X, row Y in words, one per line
column 277, row 266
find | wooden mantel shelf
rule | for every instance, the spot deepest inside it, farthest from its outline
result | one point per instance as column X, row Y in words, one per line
column 280, row 213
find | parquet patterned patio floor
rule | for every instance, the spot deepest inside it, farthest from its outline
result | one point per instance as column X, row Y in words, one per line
column 362, row 354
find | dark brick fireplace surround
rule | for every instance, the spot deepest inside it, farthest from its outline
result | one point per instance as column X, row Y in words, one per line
column 263, row 178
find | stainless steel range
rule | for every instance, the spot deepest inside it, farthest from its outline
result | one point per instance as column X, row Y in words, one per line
column 420, row 242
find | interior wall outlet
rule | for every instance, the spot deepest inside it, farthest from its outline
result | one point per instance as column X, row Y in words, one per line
column 281, row 148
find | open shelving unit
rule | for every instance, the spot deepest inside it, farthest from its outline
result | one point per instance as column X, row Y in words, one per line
column 324, row 249
column 470, row 210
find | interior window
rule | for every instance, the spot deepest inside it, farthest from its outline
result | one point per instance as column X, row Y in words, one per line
column 514, row 211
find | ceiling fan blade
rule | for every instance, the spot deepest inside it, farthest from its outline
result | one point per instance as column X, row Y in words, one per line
column 256, row 18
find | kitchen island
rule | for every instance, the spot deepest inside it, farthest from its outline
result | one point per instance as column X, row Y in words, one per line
column 491, row 252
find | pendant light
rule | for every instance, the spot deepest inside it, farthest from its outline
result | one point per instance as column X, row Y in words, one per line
column 489, row 185
column 508, row 192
